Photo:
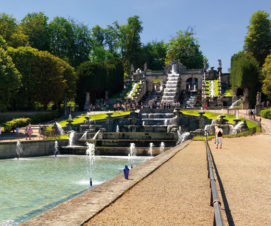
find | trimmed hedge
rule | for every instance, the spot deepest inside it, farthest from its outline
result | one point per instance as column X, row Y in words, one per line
column 43, row 117
column 266, row 113
column 18, row 122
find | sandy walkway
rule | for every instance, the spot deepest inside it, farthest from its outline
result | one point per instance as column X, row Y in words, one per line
column 245, row 169
column 176, row 194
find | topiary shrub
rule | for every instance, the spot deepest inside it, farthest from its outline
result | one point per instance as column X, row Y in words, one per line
column 18, row 122
column 266, row 113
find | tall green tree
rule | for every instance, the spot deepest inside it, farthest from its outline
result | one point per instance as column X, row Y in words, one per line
column 245, row 74
column 258, row 39
column 9, row 80
column 154, row 54
column 129, row 42
column 11, row 32
column 99, row 77
column 69, row 41
column 35, row 26
column 185, row 48
column 266, row 73
column 3, row 43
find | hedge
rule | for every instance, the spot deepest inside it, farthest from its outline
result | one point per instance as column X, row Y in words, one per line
column 266, row 113
column 18, row 122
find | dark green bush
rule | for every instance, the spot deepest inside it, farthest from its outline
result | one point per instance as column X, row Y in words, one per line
column 18, row 122
column 43, row 117
column 266, row 113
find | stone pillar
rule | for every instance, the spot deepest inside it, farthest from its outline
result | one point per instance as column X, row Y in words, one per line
column 201, row 120
column 87, row 102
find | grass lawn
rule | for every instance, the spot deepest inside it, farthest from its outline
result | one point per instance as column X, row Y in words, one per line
column 81, row 119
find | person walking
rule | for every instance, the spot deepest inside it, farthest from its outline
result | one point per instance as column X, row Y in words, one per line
column 30, row 131
column 218, row 135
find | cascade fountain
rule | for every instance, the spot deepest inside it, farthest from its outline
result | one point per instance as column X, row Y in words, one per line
column 132, row 154
column 171, row 87
column 150, row 149
column 117, row 129
column 56, row 148
column 71, row 138
column 59, row 128
column 162, row 147
column 19, row 149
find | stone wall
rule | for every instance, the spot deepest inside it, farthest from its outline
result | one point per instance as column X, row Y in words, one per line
column 30, row 148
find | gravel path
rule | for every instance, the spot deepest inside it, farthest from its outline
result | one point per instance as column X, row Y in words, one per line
column 245, row 169
column 177, row 193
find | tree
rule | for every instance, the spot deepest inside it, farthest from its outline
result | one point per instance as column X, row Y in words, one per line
column 9, row 80
column 11, row 32
column 185, row 49
column 35, row 26
column 82, row 44
column 245, row 74
column 129, row 42
column 266, row 72
column 258, row 39
column 3, row 43
column 99, row 77
column 154, row 54
column 45, row 78
column 69, row 41
column 61, row 37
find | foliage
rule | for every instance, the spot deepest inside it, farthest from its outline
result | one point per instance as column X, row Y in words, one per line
column 228, row 93
column 3, row 43
column 18, row 122
column 69, row 41
column 9, row 80
column 45, row 77
column 266, row 113
column 129, row 41
column 266, row 73
column 11, row 32
column 258, row 39
column 35, row 26
column 154, row 54
column 185, row 48
column 245, row 73
column 157, row 80
column 98, row 77
column 44, row 117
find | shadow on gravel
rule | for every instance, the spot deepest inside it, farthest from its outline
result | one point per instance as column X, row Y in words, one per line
column 225, row 201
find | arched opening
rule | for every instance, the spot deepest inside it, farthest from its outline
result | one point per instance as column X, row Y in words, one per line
column 192, row 84
column 239, row 92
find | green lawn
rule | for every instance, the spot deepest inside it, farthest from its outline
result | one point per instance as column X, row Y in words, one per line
column 81, row 119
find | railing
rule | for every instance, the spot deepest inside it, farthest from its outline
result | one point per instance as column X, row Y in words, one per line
column 214, row 200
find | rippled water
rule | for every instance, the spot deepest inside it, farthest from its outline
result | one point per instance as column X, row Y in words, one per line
column 30, row 186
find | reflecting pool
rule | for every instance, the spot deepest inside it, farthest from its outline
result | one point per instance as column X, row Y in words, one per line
column 29, row 186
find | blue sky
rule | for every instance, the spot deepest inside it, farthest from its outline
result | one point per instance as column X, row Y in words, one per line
column 220, row 25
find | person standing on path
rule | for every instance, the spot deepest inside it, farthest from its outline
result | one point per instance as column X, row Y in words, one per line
column 26, row 132
column 218, row 135
column 30, row 131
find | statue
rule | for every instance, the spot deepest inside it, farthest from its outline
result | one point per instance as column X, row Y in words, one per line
column 132, row 68
column 258, row 98
column 219, row 63
column 145, row 66
column 204, row 65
